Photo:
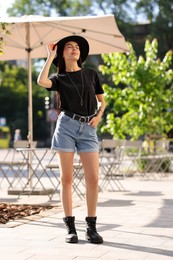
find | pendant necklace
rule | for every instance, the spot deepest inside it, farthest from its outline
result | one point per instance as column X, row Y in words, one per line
column 80, row 95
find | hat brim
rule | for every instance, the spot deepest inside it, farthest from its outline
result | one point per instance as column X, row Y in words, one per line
column 81, row 41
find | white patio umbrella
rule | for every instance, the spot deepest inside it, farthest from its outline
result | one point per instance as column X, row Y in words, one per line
column 29, row 36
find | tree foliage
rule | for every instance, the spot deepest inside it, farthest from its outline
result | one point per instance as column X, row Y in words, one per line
column 48, row 8
column 14, row 100
column 141, row 98
column 71, row 8
column 3, row 30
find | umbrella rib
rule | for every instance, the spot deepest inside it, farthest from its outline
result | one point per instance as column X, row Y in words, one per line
column 40, row 39
column 13, row 43
column 10, row 43
column 106, row 43
column 83, row 30
column 21, row 37
column 61, row 27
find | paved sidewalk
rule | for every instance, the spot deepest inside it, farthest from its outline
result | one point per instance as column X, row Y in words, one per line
column 135, row 224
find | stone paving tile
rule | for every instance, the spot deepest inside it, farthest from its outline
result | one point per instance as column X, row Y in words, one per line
column 20, row 256
column 57, row 257
column 157, row 257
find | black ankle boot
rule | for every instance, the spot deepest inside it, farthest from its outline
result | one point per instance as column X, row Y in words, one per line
column 71, row 236
column 91, row 232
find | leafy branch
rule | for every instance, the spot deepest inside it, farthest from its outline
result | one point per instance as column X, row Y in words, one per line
column 140, row 97
column 3, row 30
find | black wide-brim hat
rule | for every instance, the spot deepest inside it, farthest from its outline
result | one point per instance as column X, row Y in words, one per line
column 81, row 41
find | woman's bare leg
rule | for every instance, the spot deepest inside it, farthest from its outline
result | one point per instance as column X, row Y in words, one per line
column 66, row 172
column 90, row 162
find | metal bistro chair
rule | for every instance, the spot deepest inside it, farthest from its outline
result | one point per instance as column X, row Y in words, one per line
column 13, row 164
column 132, row 155
column 157, row 163
column 162, row 149
column 6, row 169
column 111, row 156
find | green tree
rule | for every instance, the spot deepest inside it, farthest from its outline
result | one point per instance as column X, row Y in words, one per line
column 141, row 100
column 48, row 8
column 14, row 100
column 121, row 8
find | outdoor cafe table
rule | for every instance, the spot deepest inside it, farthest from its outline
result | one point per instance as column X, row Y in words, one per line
column 43, row 176
column 35, row 159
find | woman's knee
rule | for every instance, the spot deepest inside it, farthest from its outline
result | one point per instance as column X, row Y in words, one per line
column 66, row 181
column 92, row 181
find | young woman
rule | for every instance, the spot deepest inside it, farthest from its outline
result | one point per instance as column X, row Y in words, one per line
column 79, row 92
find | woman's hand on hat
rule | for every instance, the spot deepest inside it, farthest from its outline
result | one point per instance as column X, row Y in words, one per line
column 52, row 50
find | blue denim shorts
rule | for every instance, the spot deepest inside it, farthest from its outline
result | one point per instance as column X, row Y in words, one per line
column 70, row 136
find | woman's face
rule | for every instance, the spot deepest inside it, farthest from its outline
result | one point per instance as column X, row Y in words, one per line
column 71, row 51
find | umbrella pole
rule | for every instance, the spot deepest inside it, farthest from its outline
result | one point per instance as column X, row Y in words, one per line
column 30, row 112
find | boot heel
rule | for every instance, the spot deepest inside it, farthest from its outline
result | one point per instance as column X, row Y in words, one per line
column 87, row 238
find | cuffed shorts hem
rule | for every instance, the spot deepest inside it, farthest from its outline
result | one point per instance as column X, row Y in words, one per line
column 63, row 149
column 88, row 151
column 71, row 150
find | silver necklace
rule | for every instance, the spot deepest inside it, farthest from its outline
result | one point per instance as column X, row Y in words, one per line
column 80, row 95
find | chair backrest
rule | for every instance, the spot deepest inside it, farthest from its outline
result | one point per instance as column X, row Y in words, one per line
column 34, row 144
column 133, row 143
column 20, row 144
column 23, row 144
column 133, row 147
column 112, row 150
column 161, row 146
column 109, row 144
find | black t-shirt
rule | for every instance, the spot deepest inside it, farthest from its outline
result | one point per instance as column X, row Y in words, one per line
column 70, row 97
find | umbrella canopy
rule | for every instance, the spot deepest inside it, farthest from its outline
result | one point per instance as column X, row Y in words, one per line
column 29, row 36
column 35, row 32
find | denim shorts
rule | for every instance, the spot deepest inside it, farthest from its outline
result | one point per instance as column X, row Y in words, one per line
column 70, row 136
